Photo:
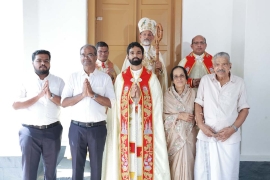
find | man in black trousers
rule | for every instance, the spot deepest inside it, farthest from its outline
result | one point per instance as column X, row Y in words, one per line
column 89, row 92
column 41, row 131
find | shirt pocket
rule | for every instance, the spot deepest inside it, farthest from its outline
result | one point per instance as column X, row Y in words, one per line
column 229, row 99
column 99, row 90
column 226, row 98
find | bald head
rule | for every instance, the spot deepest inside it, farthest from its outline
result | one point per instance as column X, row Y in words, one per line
column 198, row 45
column 198, row 36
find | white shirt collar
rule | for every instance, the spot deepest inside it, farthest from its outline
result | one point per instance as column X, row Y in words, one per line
column 198, row 57
column 99, row 62
column 93, row 73
column 232, row 77
column 39, row 77
column 136, row 74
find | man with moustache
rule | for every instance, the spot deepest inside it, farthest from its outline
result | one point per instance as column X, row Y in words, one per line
column 147, row 28
column 88, row 92
column 222, row 99
column 136, row 147
column 198, row 63
column 103, row 63
column 40, row 134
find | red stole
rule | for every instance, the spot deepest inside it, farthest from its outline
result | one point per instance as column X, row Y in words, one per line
column 103, row 65
column 207, row 62
column 109, row 65
column 147, row 151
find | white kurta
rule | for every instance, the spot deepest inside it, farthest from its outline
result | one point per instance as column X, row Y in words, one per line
column 111, row 160
column 148, row 62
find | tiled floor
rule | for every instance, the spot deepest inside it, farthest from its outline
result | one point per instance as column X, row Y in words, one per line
column 10, row 169
column 250, row 170
column 64, row 171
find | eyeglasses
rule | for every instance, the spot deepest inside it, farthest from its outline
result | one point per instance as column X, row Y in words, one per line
column 197, row 43
column 87, row 56
column 104, row 52
column 177, row 77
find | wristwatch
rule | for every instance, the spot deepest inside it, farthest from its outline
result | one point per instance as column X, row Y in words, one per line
column 234, row 127
column 94, row 97
column 52, row 95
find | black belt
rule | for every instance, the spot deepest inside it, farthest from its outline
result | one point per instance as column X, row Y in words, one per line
column 43, row 126
column 90, row 124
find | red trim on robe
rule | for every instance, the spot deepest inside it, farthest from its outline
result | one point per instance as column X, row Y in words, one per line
column 147, row 151
column 207, row 62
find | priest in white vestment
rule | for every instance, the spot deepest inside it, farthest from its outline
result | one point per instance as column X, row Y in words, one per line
column 103, row 63
column 147, row 28
column 136, row 145
column 198, row 63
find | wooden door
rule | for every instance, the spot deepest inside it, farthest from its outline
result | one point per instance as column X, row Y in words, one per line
column 115, row 22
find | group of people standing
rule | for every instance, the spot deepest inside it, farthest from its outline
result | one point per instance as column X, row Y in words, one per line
column 132, row 124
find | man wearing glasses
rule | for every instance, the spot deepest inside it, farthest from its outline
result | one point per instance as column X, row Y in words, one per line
column 89, row 92
column 103, row 63
column 198, row 63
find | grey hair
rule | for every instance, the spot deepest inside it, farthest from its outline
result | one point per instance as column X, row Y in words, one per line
column 89, row 45
column 221, row 54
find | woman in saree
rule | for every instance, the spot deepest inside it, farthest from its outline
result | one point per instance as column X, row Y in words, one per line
column 179, row 125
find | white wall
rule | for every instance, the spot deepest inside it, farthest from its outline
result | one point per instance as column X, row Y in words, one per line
column 61, row 28
column 212, row 19
column 240, row 28
column 58, row 26
column 11, row 45
column 256, row 131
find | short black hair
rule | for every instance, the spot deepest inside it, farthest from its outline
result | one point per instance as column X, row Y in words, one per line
column 132, row 45
column 101, row 44
column 185, row 71
column 40, row 52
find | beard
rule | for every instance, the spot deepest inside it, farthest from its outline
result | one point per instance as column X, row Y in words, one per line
column 146, row 42
column 42, row 72
column 135, row 61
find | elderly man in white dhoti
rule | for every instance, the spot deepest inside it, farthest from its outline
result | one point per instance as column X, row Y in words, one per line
column 220, row 108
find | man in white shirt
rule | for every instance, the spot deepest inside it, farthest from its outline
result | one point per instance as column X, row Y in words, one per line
column 89, row 92
column 103, row 63
column 220, row 108
column 41, row 130
column 136, row 147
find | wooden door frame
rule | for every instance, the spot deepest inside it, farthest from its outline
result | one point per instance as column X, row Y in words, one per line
column 91, row 21
column 176, row 39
